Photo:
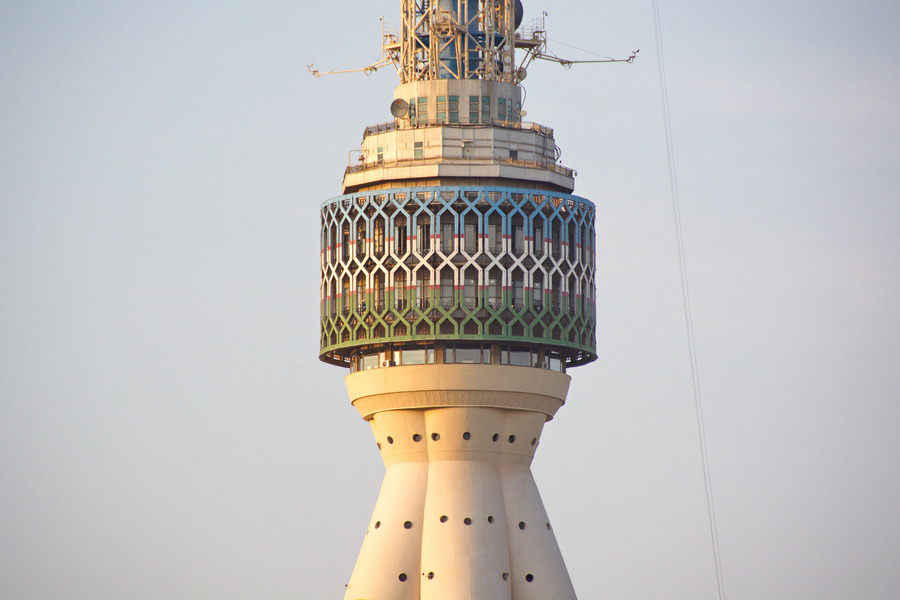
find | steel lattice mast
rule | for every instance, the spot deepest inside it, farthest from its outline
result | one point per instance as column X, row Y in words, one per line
column 458, row 288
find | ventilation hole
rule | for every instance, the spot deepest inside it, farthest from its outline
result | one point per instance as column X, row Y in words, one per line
column 529, row 578
column 390, row 440
column 548, row 527
column 430, row 575
column 467, row 521
column 521, row 524
column 490, row 519
column 377, row 524
column 467, row 435
column 495, row 437
column 505, row 576
column 443, row 518
column 417, row 437
column 435, row 436
column 533, row 441
column 402, row 577
column 408, row 525
column 512, row 439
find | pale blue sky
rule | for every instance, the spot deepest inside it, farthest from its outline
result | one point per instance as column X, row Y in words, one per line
column 166, row 430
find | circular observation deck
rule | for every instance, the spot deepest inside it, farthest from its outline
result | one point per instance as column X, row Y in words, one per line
column 468, row 274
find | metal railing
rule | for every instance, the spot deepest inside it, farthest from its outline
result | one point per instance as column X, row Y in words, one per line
column 436, row 160
column 409, row 124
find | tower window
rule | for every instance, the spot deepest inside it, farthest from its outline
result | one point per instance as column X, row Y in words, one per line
column 441, row 109
column 418, row 149
column 400, row 236
column 422, row 111
column 453, row 107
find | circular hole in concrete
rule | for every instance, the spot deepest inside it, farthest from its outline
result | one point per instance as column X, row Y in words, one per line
column 430, row 575
column 521, row 524
column 467, row 521
column 529, row 578
column 402, row 577
column 533, row 441
column 377, row 524
column 390, row 440
column 443, row 518
column 407, row 525
column 435, row 436
column 490, row 518
column 467, row 435
column 495, row 437
column 512, row 439
column 417, row 437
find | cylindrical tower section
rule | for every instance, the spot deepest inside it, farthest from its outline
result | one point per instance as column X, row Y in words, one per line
column 458, row 275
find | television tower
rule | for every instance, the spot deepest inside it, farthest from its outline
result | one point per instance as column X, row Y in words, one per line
column 457, row 285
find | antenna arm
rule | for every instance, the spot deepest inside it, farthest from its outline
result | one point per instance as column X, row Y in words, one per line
column 368, row 69
column 568, row 63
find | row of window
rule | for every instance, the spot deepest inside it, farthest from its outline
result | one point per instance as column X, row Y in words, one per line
column 419, row 151
column 471, row 294
column 471, row 240
column 459, row 354
column 447, row 110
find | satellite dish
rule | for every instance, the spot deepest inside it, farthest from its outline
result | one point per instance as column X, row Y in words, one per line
column 521, row 73
column 519, row 13
column 524, row 113
column 399, row 108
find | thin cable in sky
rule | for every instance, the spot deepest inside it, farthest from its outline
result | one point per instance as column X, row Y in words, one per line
column 686, row 302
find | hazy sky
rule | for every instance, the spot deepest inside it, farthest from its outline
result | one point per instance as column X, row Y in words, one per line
column 167, row 432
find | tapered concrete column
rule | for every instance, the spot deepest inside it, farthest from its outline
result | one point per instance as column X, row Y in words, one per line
column 459, row 516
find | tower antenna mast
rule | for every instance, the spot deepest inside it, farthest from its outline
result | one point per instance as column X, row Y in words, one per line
column 411, row 53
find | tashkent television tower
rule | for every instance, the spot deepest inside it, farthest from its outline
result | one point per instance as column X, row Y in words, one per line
column 458, row 288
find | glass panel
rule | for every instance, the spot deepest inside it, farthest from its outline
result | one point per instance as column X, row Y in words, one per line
column 369, row 361
column 447, row 235
column 470, row 288
column 555, row 362
column 423, row 235
column 412, row 357
column 446, row 288
column 468, row 356
column 471, row 237
column 400, row 239
column 454, row 109
column 520, row 358
column 517, row 292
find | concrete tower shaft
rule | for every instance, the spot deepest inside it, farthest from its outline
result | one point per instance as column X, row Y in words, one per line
column 458, row 515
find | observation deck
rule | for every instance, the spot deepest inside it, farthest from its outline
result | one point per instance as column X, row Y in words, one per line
column 458, row 269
